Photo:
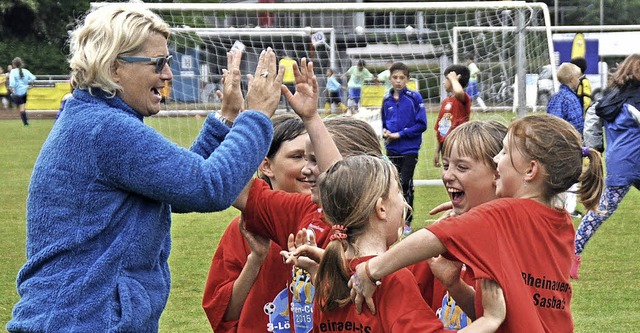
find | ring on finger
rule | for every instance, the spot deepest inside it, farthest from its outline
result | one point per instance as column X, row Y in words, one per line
column 264, row 74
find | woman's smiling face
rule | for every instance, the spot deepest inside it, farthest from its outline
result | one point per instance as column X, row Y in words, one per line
column 140, row 83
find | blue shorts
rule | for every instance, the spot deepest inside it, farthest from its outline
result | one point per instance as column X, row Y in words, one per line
column 19, row 99
column 472, row 89
column 354, row 94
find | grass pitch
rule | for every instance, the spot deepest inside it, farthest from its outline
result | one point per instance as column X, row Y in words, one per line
column 606, row 298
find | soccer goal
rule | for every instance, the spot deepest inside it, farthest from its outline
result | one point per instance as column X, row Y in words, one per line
column 509, row 41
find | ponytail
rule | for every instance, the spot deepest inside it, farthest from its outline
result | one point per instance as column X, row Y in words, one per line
column 591, row 179
column 333, row 276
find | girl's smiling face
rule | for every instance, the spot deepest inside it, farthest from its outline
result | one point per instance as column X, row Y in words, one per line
column 469, row 182
column 285, row 168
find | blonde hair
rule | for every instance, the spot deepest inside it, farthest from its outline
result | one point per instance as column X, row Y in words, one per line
column 480, row 140
column 556, row 145
column 349, row 191
column 107, row 33
column 353, row 136
column 567, row 71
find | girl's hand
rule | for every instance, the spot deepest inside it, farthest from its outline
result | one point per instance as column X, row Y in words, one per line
column 362, row 289
column 264, row 89
column 305, row 101
column 446, row 271
column 441, row 208
column 303, row 251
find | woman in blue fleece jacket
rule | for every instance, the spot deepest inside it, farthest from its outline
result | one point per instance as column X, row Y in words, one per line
column 105, row 184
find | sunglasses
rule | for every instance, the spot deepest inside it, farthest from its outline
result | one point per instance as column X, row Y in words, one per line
column 159, row 62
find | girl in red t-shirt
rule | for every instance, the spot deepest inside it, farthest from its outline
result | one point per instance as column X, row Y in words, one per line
column 469, row 176
column 524, row 240
column 276, row 214
column 363, row 201
column 246, row 268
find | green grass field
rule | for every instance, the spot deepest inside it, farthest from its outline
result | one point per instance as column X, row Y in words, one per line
column 606, row 298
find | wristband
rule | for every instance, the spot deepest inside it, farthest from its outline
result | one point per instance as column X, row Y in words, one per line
column 222, row 119
column 368, row 272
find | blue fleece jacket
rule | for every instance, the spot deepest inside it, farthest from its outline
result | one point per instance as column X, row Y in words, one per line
column 99, row 212
column 406, row 116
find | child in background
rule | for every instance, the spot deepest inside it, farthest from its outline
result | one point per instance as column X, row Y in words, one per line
column 584, row 88
column 404, row 119
column 541, row 158
column 247, row 273
column 334, row 88
column 357, row 75
column 469, row 176
column 20, row 80
column 363, row 201
column 472, row 88
column 566, row 105
column 384, row 78
column 455, row 109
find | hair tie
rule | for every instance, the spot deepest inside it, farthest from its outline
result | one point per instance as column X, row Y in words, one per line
column 339, row 232
column 585, row 151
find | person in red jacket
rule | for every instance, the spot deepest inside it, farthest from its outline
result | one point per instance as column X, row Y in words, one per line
column 363, row 200
column 522, row 240
column 248, row 269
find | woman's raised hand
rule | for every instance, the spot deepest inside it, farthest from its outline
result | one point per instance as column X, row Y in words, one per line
column 232, row 100
column 264, row 89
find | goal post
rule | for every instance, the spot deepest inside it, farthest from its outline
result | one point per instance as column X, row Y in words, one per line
column 510, row 41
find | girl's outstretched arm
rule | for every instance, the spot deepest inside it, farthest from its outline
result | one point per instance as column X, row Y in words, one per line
column 420, row 245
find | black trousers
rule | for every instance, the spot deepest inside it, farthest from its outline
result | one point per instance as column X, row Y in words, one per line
column 406, row 165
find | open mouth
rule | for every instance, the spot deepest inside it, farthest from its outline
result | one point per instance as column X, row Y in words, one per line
column 455, row 195
column 156, row 91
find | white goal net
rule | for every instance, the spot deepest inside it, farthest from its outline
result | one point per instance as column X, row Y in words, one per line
column 510, row 42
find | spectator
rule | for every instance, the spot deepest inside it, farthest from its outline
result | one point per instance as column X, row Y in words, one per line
column 404, row 119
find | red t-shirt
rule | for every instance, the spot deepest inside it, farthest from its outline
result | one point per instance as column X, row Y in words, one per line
column 276, row 214
column 267, row 299
column 526, row 247
column 399, row 308
column 452, row 114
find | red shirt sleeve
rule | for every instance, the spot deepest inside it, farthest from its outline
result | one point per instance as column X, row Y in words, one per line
column 226, row 265
column 471, row 239
column 276, row 214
